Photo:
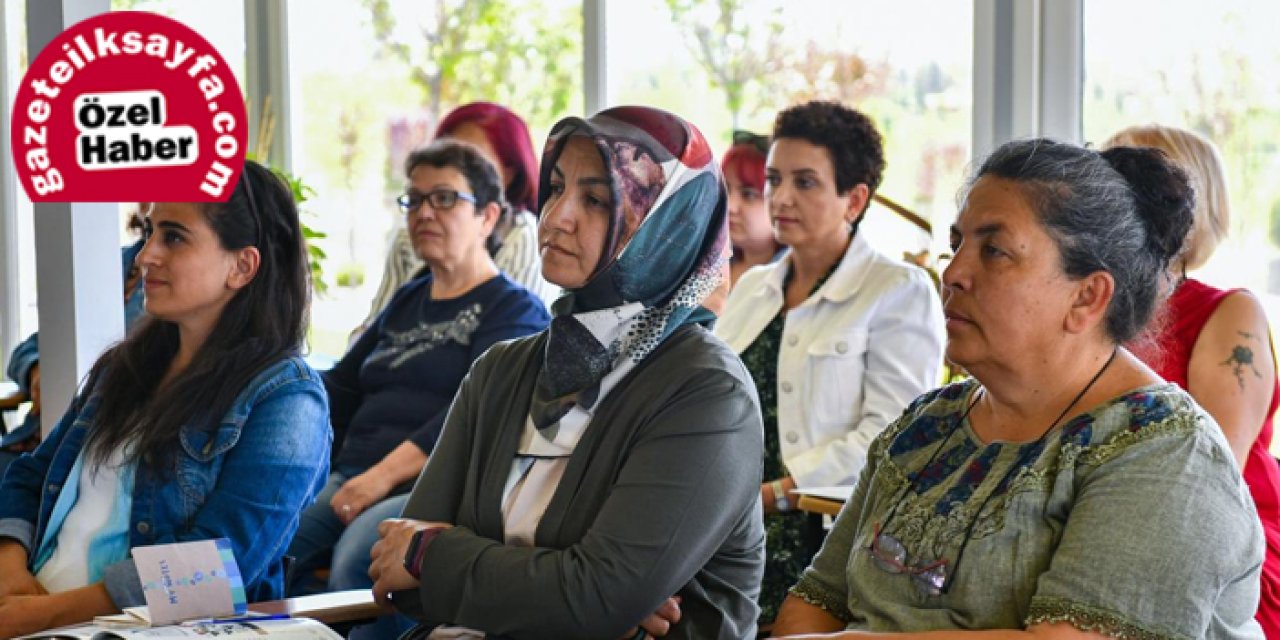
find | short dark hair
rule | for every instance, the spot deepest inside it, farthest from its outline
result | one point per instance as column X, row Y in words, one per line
column 1125, row 211
column 856, row 148
column 482, row 177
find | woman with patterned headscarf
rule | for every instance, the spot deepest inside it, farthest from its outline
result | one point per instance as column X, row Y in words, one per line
column 599, row 478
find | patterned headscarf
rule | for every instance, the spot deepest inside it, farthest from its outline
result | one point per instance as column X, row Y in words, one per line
column 664, row 252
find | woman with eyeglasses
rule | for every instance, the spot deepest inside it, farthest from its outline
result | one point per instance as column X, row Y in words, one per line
column 1066, row 490
column 838, row 337
column 503, row 138
column 611, row 492
column 203, row 423
column 392, row 389
column 750, row 230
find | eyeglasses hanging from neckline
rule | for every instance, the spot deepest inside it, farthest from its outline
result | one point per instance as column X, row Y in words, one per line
column 934, row 578
column 890, row 555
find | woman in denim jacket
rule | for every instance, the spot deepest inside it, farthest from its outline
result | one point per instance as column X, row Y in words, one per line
column 203, row 423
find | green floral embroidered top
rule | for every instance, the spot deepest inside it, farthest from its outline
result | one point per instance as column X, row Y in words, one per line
column 789, row 540
column 1130, row 520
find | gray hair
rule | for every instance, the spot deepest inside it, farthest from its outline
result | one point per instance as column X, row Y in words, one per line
column 1125, row 211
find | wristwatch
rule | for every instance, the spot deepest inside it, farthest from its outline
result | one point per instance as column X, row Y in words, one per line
column 780, row 501
column 417, row 549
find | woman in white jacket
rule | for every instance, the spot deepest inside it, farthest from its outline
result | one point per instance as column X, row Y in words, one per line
column 838, row 337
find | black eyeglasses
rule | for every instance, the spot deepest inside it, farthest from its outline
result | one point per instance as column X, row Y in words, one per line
column 439, row 199
column 761, row 143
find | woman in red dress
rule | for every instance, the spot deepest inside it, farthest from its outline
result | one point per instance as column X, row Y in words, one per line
column 1216, row 344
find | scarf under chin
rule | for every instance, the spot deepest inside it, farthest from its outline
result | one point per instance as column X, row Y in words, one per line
column 583, row 348
column 575, row 361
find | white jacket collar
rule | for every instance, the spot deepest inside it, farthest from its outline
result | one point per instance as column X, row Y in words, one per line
column 843, row 283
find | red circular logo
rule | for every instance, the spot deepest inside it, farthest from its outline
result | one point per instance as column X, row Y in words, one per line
column 129, row 106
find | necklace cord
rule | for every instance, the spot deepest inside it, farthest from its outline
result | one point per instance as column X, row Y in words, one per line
column 954, row 427
column 968, row 533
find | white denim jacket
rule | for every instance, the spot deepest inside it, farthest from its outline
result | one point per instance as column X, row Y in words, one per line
column 853, row 355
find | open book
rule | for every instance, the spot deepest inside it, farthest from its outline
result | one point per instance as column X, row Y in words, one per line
column 286, row 629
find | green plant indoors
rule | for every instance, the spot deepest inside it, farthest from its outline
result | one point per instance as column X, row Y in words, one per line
column 315, row 255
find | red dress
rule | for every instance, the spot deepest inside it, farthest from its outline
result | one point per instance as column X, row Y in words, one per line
column 1186, row 313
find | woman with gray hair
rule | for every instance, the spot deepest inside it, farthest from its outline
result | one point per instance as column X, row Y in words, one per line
column 1066, row 490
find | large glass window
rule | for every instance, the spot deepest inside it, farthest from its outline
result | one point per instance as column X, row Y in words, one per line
column 369, row 85
column 1216, row 71
column 221, row 23
column 736, row 64
column 15, row 40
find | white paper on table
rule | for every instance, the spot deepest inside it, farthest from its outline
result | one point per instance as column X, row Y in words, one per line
column 129, row 617
column 288, row 629
column 74, row 632
column 839, row 493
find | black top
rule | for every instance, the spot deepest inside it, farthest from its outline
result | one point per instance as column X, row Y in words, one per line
column 397, row 381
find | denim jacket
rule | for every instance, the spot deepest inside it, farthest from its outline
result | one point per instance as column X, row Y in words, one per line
column 247, row 481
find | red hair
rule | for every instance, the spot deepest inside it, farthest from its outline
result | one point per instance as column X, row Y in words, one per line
column 509, row 136
column 746, row 163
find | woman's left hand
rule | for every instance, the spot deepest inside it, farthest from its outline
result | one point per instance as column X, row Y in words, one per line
column 359, row 493
column 387, row 568
column 26, row 614
column 769, row 500
column 22, row 615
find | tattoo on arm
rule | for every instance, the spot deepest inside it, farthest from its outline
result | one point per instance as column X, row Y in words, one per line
column 1240, row 358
